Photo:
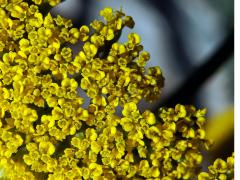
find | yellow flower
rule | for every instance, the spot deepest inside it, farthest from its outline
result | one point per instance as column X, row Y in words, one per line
column 57, row 113
column 150, row 118
column 129, row 22
column 46, row 148
column 201, row 133
column 107, row 13
column 76, row 142
column 28, row 160
column 2, row 46
column 222, row 177
column 99, row 100
column 84, row 31
column 144, row 168
column 40, row 129
column 155, row 172
column 142, row 59
column 74, row 35
column 69, row 83
column 37, row 20
column 54, row 2
column 230, row 162
column 30, row 114
column 47, row 124
column 52, row 101
column 18, row 11
column 96, row 169
column 97, row 25
column 63, row 123
column 95, row 147
column 193, row 158
column 66, row 54
column 6, row 93
column 90, row 49
column 86, row 172
column 181, row 111
column 91, row 134
column 97, row 40
column 3, row 3
column 108, row 33
column 219, row 170
column 134, row 38
column 127, row 124
column 38, row 2
column 220, row 165
column 181, row 145
column 129, row 108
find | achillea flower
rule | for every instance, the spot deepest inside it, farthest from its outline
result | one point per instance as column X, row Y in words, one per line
column 45, row 133
column 219, row 170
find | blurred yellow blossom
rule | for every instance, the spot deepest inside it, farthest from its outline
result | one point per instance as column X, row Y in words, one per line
column 219, row 170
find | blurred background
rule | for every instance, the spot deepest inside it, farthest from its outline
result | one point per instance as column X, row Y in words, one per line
column 192, row 42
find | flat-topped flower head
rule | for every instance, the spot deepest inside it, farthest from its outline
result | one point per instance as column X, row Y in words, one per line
column 48, row 131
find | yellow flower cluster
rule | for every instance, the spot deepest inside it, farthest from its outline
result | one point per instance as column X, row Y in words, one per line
column 50, row 2
column 220, row 169
column 113, row 69
column 45, row 133
column 14, row 169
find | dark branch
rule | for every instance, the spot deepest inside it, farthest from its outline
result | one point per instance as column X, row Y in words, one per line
column 199, row 75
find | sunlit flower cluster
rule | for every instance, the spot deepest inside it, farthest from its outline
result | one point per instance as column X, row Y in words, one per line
column 45, row 133
column 220, row 169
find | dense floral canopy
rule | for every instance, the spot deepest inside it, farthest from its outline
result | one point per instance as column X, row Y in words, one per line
column 45, row 133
